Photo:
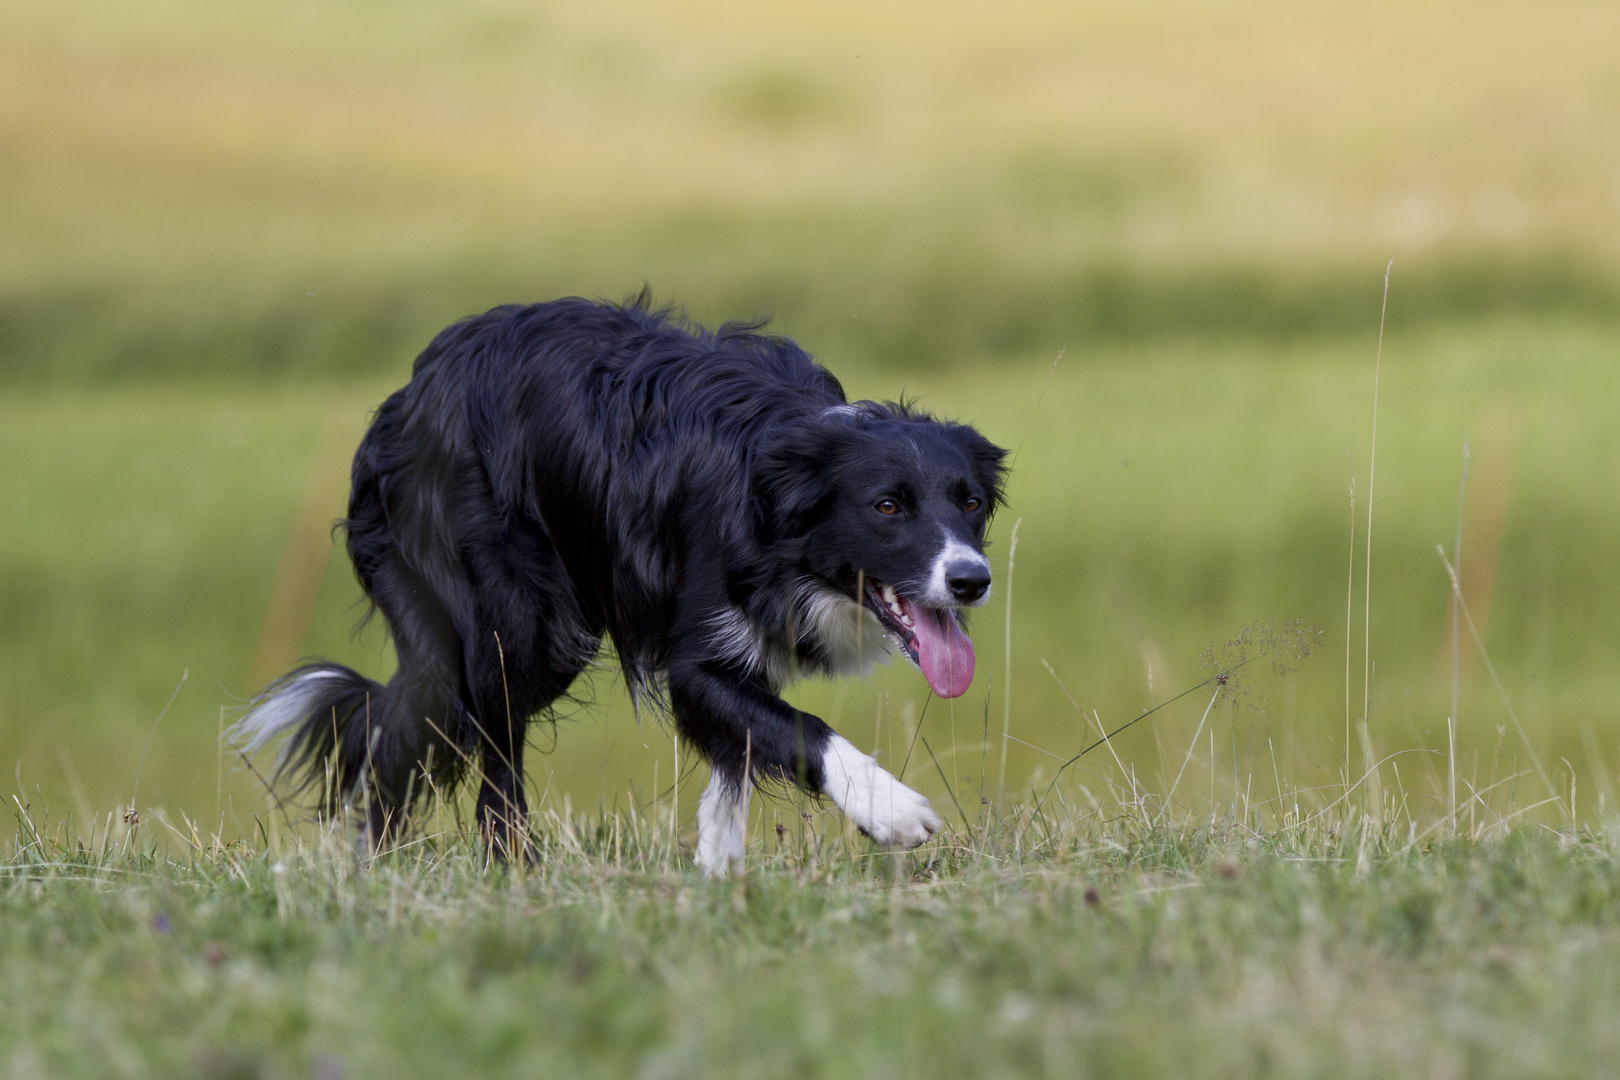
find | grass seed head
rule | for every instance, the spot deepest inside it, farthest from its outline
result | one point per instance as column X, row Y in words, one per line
column 1285, row 644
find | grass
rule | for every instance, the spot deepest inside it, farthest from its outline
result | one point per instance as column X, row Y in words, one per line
column 1142, row 939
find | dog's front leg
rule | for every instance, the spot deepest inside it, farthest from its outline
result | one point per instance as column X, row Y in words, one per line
column 722, row 823
column 738, row 723
column 883, row 807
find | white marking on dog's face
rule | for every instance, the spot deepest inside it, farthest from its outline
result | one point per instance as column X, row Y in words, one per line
column 938, row 591
column 722, row 825
column 886, row 810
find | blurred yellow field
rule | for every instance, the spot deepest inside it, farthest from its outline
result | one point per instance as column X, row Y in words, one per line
column 1283, row 129
column 319, row 173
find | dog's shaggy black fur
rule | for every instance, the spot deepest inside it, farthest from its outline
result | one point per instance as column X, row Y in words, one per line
column 559, row 471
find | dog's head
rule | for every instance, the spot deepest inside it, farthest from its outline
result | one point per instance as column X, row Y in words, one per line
column 888, row 507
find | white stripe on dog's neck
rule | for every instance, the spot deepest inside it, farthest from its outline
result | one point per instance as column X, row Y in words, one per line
column 848, row 636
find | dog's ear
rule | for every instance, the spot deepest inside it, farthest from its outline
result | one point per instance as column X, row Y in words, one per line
column 989, row 462
column 794, row 475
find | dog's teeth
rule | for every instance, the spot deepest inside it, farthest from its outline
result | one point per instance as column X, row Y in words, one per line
column 891, row 600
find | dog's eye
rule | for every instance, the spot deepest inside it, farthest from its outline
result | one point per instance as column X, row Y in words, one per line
column 887, row 506
column 971, row 505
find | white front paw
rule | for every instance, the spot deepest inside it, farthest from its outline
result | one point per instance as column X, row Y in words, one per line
column 910, row 819
column 722, row 827
column 884, row 808
column 716, row 851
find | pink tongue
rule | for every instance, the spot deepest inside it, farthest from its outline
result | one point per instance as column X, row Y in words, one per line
column 943, row 652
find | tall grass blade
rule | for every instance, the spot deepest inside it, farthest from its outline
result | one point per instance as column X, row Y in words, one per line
column 1366, row 583
column 1456, row 639
column 1006, row 681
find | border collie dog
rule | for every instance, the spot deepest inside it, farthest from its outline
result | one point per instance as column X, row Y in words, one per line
column 558, row 471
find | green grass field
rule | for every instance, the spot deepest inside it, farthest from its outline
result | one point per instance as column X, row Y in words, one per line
column 1037, row 946
column 1170, row 494
column 225, row 231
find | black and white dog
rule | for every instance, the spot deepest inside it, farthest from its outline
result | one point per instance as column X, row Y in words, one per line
column 559, row 471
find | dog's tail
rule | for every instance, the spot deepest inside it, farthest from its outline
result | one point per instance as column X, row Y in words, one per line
column 336, row 723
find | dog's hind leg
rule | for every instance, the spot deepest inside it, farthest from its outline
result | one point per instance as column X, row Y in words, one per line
column 350, row 737
column 392, row 742
column 503, row 720
column 513, row 673
column 503, row 808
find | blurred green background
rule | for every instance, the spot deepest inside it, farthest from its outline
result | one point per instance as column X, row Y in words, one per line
column 225, row 230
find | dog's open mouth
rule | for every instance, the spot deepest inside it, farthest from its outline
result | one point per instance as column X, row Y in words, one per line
column 930, row 637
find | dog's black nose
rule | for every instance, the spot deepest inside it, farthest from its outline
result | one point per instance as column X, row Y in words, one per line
column 968, row 581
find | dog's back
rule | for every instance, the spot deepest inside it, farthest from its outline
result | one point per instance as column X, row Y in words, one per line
column 602, row 425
